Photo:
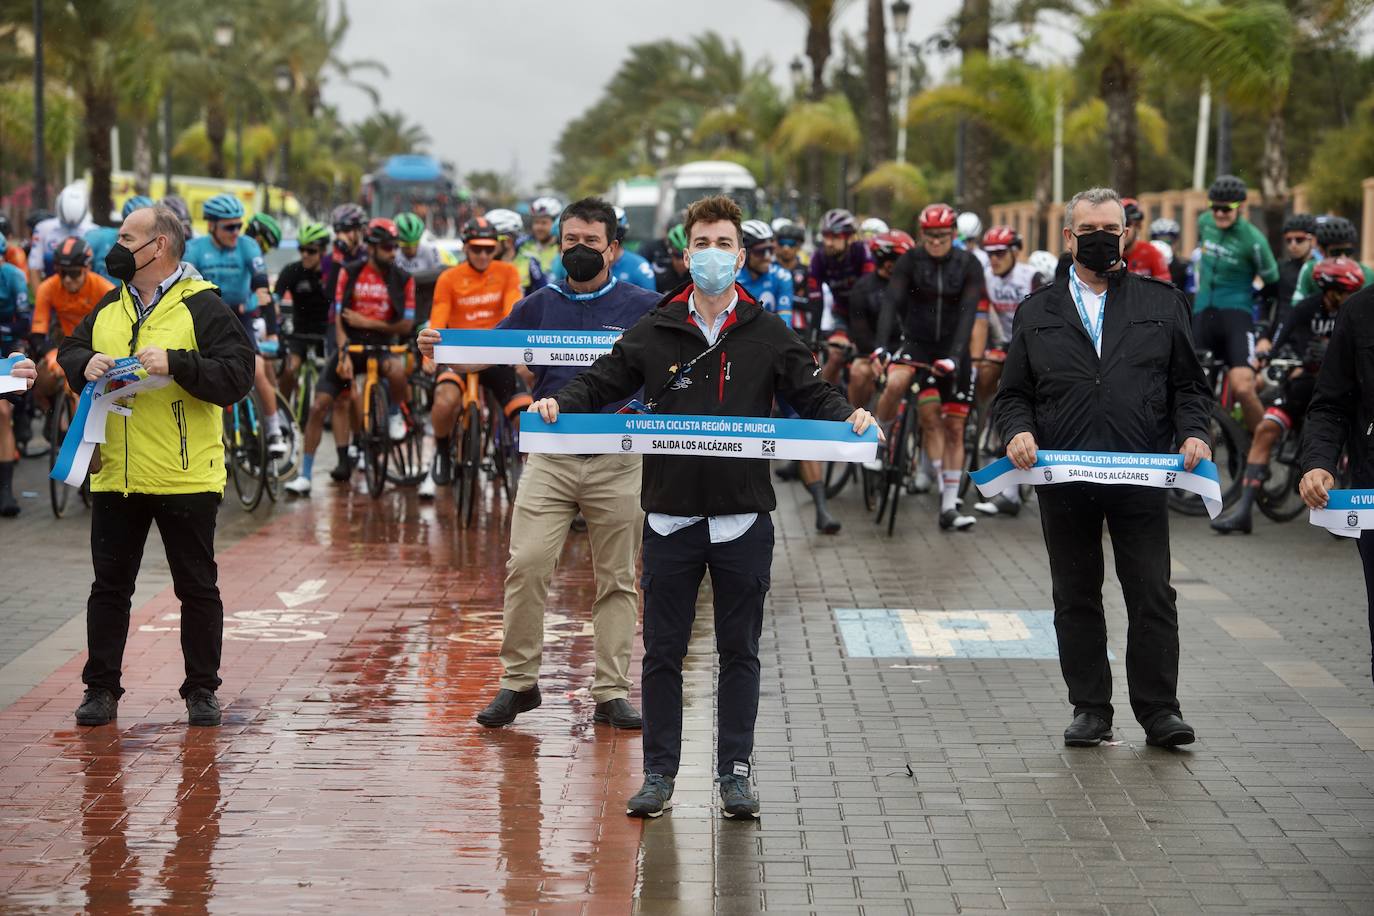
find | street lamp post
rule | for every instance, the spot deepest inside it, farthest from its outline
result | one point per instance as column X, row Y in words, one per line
column 285, row 81
column 901, row 15
column 40, row 172
column 224, row 40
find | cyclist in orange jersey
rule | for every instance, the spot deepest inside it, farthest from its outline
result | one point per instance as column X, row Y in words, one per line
column 69, row 295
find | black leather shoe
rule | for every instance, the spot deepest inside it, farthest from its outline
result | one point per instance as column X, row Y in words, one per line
column 1169, row 731
column 618, row 713
column 202, row 708
column 509, row 704
column 98, row 707
column 1087, row 730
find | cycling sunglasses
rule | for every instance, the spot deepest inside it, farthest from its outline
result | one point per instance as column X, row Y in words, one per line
column 1225, row 208
column 761, row 250
column 939, row 235
column 386, row 246
column 311, row 249
column 73, row 273
column 230, row 227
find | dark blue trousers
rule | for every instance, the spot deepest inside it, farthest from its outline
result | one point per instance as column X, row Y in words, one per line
column 1367, row 556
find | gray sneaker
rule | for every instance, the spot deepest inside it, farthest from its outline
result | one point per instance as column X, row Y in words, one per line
column 653, row 798
column 737, row 797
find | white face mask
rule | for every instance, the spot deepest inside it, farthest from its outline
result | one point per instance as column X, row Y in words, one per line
column 713, row 270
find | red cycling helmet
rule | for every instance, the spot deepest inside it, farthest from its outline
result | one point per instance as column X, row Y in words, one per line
column 1001, row 238
column 890, row 245
column 938, row 216
column 1338, row 273
column 381, row 230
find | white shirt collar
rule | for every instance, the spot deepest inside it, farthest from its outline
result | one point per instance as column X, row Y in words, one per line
column 692, row 307
column 161, row 290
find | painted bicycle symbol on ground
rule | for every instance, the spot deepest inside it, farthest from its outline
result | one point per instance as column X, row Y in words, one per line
column 291, row 623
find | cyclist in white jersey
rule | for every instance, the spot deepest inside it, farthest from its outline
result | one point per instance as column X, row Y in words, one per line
column 414, row 254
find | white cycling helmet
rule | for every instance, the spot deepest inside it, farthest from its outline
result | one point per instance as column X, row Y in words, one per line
column 969, row 225
column 755, row 232
column 779, row 223
column 1044, row 264
column 1165, row 249
column 872, row 227
column 1164, row 228
column 506, row 222
column 546, row 206
column 73, row 204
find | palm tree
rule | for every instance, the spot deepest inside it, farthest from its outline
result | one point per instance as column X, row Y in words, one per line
column 387, row 133
column 973, row 35
column 879, row 115
column 820, row 19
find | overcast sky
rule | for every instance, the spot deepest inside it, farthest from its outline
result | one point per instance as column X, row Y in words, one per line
column 493, row 83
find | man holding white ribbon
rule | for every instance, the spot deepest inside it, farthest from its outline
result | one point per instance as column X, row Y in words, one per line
column 710, row 350
column 1104, row 362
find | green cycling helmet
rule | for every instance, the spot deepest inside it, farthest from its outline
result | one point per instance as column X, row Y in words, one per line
column 313, row 234
column 409, row 228
column 265, row 229
column 677, row 237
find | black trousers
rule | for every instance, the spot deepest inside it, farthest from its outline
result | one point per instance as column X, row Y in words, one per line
column 1071, row 515
column 119, row 528
column 673, row 569
column 1367, row 557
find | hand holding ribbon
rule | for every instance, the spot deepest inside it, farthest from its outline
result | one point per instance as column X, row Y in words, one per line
column 17, row 373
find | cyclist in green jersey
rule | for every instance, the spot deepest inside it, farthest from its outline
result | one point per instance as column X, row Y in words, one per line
column 536, row 255
column 1234, row 252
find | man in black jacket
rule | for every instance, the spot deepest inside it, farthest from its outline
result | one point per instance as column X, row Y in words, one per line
column 1080, row 375
column 1341, row 419
column 709, row 350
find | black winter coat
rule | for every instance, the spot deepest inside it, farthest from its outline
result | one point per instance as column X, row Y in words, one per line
column 1146, row 393
column 757, row 357
column 1341, row 414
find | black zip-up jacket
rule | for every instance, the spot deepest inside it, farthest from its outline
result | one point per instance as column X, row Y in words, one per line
column 1341, row 415
column 757, row 356
column 935, row 301
column 1146, row 393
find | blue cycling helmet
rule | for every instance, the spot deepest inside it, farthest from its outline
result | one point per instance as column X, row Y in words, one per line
column 222, row 206
column 137, row 202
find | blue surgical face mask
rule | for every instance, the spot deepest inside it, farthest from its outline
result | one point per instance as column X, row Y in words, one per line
column 713, row 269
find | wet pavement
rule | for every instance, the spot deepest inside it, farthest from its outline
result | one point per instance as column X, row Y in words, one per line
column 908, row 755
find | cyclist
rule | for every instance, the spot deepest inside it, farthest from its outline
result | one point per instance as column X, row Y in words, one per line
column 871, row 228
column 1141, row 257
column 1336, row 237
column 415, row 253
column 509, row 226
column 1045, row 265
column 14, row 328
column 70, row 294
column 865, row 309
column 348, row 221
column 374, row 304
column 302, row 282
column 968, row 230
column 1299, row 247
column 12, row 254
column 934, row 298
column 789, row 238
column 1234, row 252
column 1305, row 330
column 264, row 229
column 840, row 262
column 476, row 294
column 177, row 205
column 234, row 263
column 769, row 284
column 1169, row 232
column 672, row 273
column 73, row 218
column 102, row 238
column 535, row 258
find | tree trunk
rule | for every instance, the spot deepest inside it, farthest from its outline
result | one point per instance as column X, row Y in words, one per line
column 975, row 30
column 1274, row 177
column 143, row 157
column 1044, row 190
column 818, row 49
column 879, row 130
column 1119, row 91
column 100, row 117
column 216, row 126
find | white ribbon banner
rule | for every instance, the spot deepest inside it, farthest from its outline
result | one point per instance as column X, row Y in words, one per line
column 532, row 348
column 1347, row 512
column 676, row 434
column 1141, row 470
column 11, row 383
column 98, row 400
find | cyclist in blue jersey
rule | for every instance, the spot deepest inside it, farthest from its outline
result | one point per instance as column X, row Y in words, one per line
column 233, row 262
column 769, row 284
column 102, row 238
column 15, row 315
column 628, row 267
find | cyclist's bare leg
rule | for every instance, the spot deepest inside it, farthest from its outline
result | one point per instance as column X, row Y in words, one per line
column 447, row 397
column 834, row 362
column 288, row 375
column 314, row 425
column 953, row 460
column 47, row 385
column 932, row 432
column 262, row 382
column 898, row 381
column 863, row 380
column 989, row 373
column 397, row 384
column 1266, row 437
column 342, row 424
column 8, row 450
column 810, row 472
column 1242, row 381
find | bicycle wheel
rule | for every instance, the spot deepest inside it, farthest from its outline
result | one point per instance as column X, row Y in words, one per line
column 1230, row 445
column 376, row 440
column 837, row 474
column 59, row 418
column 1278, row 496
column 904, row 464
column 293, row 432
column 505, row 440
column 470, row 465
column 977, row 432
column 245, row 453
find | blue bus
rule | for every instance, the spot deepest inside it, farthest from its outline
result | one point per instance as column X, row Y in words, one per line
column 417, row 183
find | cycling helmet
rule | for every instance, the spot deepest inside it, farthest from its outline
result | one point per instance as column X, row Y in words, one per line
column 622, row 223
column 1301, row 222
column 179, row 209
column 1165, row 249
column 756, row 232
column 312, row 234
column 347, row 216
column 507, row 222
column 1164, row 228
column 74, row 252
column 890, row 245
column 837, row 222
column 1338, row 273
column 1335, row 230
column 137, row 202
column 677, row 237
column 5, row 227
column 1001, row 238
column 265, row 229
column 480, row 229
column 968, row 225
column 410, row 228
column 37, row 216
column 937, row 216
column 1133, row 212
column 872, row 227
column 222, row 206
column 380, row 230
column 1227, row 189
column 546, row 206
column 1044, row 264
column 73, row 204
column 778, row 222
column 789, row 233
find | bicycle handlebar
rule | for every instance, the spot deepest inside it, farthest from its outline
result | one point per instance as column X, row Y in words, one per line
column 377, row 348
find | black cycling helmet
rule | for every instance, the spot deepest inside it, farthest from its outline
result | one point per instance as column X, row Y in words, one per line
column 72, row 252
column 1336, row 231
column 1227, row 189
column 36, row 217
column 480, row 229
column 5, row 227
column 789, row 233
column 1301, row 222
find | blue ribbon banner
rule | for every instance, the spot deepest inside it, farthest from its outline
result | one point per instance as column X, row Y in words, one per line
column 1347, row 512
column 10, row 383
column 1141, row 470
column 98, row 400
column 675, row 434
column 532, row 348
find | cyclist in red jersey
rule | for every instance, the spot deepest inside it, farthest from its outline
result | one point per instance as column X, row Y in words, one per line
column 1142, row 258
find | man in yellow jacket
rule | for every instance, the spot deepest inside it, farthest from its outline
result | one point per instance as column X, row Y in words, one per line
column 164, row 462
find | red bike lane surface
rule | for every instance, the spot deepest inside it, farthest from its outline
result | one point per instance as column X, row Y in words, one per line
column 360, row 641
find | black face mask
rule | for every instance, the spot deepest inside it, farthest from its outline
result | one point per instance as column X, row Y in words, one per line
column 120, row 263
column 583, row 263
column 1098, row 251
